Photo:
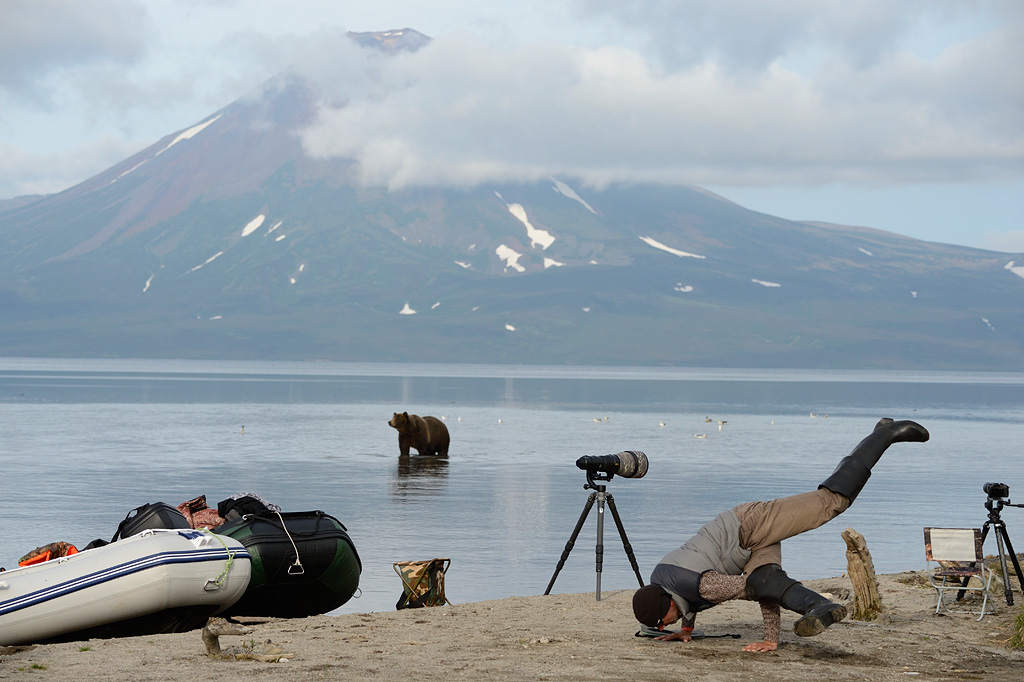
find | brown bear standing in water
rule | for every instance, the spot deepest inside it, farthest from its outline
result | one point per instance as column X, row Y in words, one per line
column 428, row 435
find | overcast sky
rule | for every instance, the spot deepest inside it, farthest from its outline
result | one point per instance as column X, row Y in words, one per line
column 902, row 115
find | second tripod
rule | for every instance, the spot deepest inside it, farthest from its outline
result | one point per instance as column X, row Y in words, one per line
column 601, row 497
column 994, row 504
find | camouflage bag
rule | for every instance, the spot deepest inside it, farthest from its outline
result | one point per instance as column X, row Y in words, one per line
column 422, row 583
column 54, row 550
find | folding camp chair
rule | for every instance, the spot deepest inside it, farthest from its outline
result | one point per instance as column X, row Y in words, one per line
column 957, row 554
column 422, row 583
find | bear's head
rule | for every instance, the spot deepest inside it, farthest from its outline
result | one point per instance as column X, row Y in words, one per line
column 399, row 421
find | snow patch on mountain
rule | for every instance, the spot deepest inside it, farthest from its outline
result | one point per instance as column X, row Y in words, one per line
column 987, row 323
column 510, row 257
column 681, row 288
column 668, row 249
column 463, row 264
column 510, row 328
column 566, row 190
column 552, row 263
column 135, row 167
column 208, row 261
column 406, row 310
column 253, row 225
column 865, row 252
column 765, row 284
column 189, row 134
column 1015, row 269
column 536, row 235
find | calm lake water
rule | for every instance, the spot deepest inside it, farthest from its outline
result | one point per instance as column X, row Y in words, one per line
column 82, row 442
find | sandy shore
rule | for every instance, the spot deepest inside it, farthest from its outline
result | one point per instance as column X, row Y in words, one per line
column 562, row 637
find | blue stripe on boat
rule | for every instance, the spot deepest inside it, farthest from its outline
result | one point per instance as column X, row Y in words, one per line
column 114, row 572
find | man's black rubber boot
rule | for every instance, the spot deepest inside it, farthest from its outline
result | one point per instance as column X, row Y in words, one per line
column 772, row 583
column 854, row 470
column 818, row 612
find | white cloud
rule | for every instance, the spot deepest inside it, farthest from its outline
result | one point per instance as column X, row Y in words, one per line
column 40, row 37
column 463, row 112
column 736, row 94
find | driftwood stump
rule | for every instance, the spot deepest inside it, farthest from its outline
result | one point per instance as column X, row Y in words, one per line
column 216, row 627
column 867, row 603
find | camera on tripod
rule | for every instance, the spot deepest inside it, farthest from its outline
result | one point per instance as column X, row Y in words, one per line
column 601, row 468
column 996, row 490
column 628, row 464
column 998, row 498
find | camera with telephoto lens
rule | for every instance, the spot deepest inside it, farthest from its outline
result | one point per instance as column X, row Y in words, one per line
column 628, row 464
column 996, row 490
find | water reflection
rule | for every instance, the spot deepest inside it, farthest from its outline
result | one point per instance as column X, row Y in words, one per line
column 419, row 475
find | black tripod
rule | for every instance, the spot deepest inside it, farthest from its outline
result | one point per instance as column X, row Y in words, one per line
column 994, row 506
column 600, row 496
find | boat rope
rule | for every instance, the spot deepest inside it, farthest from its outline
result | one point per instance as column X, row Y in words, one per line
column 218, row 582
column 296, row 568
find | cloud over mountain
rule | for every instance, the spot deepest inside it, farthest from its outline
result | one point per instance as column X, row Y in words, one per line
column 461, row 111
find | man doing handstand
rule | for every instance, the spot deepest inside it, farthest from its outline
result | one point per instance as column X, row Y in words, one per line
column 738, row 555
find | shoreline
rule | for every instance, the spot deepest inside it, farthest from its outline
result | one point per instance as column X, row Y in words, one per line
column 570, row 637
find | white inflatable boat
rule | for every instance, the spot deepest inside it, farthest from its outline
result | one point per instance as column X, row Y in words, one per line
column 153, row 582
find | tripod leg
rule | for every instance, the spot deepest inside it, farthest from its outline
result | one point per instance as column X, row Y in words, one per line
column 572, row 540
column 1001, row 538
column 599, row 549
column 1013, row 558
column 1007, row 588
column 625, row 540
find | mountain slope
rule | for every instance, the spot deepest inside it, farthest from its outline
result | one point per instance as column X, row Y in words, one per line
column 224, row 240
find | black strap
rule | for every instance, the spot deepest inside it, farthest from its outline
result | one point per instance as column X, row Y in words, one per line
column 697, row 634
column 127, row 518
